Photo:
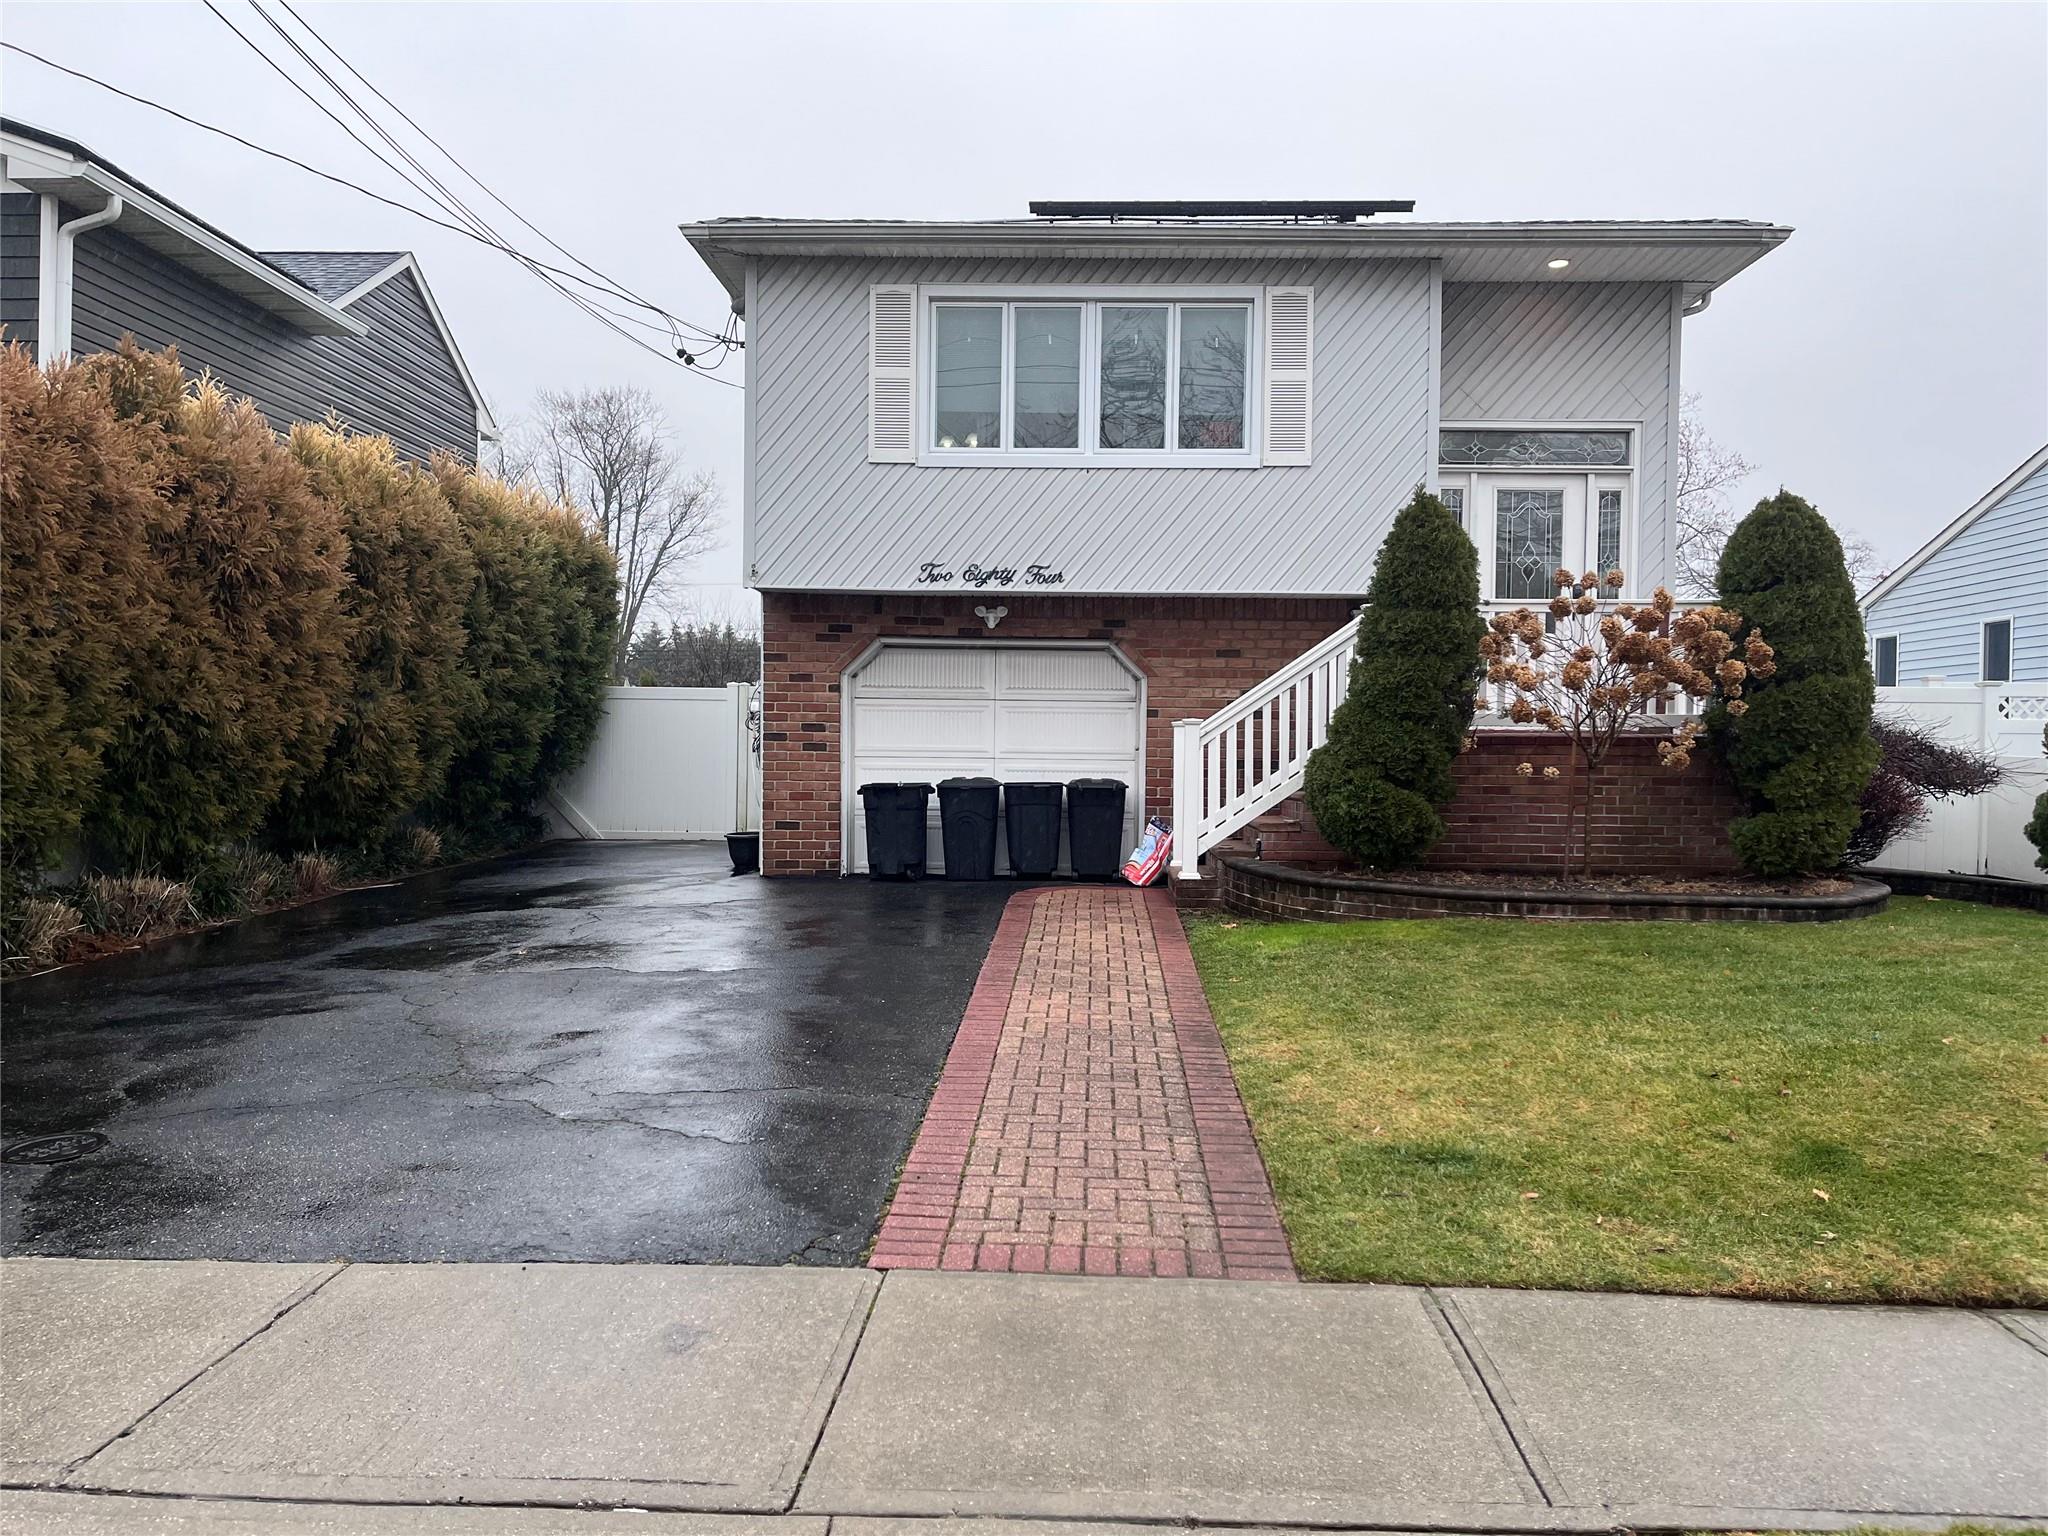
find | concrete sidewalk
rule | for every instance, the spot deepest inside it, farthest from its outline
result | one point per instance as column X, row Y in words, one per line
column 144, row 1396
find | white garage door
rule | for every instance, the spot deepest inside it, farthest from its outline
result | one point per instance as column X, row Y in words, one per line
column 922, row 713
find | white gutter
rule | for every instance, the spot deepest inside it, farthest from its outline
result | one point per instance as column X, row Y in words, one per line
column 1699, row 304
column 53, row 327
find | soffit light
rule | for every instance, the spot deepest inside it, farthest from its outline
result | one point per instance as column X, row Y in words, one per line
column 1558, row 263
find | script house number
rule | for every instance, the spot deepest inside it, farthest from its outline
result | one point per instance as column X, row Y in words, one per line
column 938, row 573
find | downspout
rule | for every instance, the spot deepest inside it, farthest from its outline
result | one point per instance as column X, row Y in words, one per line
column 59, row 321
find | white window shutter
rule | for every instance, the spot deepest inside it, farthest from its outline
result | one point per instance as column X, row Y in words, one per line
column 892, row 344
column 1289, row 396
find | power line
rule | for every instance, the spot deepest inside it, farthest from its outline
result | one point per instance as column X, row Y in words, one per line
column 479, row 230
column 447, row 154
column 328, row 176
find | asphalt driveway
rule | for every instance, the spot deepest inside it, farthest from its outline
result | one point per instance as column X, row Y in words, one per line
column 593, row 1051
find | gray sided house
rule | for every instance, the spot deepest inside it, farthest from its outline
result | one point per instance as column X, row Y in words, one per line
column 89, row 255
column 1097, row 496
column 1971, row 606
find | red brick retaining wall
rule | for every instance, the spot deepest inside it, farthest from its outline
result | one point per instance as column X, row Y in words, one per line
column 1646, row 817
column 1197, row 654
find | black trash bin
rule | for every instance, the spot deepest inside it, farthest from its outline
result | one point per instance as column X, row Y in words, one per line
column 896, row 815
column 1095, row 828
column 967, row 825
column 1031, row 826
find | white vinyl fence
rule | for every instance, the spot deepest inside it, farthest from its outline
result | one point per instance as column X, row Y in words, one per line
column 1981, row 835
column 667, row 763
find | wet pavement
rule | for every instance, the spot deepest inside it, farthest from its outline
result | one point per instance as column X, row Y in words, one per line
column 594, row 1051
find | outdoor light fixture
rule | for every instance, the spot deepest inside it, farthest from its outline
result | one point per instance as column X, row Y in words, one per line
column 1559, row 263
column 991, row 616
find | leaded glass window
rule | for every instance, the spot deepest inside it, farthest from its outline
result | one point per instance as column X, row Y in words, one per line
column 1608, row 541
column 1454, row 498
column 1528, row 544
column 1512, row 449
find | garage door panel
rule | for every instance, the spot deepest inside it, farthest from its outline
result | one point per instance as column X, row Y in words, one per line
column 928, row 669
column 1080, row 730
column 885, row 727
column 1063, row 674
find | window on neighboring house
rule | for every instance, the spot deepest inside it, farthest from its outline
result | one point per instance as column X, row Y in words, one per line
column 1997, row 652
column 1884, row 660
column 1105, row 380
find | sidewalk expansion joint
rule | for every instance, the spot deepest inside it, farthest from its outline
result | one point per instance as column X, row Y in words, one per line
column 290, row 1304
column 796, row 1486
column 1444, row 1311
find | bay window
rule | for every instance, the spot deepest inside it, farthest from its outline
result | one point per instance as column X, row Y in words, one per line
column 1125, row 378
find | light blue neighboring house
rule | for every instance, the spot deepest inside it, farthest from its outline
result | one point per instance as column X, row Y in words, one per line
column 1972, row 605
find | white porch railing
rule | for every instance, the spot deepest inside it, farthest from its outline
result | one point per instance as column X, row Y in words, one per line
column 1249, row 756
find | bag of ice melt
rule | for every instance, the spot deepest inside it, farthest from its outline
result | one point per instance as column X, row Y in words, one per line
column 1151, row 854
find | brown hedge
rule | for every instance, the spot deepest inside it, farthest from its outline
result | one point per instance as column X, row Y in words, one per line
column 410, row 581
column 77, row 501
column 235, row 696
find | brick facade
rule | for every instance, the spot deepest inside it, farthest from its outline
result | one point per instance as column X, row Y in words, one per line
column 1646, row 818
column 1197, row 654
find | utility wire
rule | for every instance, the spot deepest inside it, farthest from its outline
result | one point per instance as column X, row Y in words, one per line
column 618, row 287
column 478, row 231
column 313, row 170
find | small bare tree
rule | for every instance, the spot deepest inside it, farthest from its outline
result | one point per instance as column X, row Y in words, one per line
column 1599, row 666
column 612, row 455
column 1707, row 472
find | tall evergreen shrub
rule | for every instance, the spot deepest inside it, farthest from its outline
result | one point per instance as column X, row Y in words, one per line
column 1803, row 751
column 410, row 580
column 76, row 503
column 538, row 624
column 1376, row 785
column 235, row 695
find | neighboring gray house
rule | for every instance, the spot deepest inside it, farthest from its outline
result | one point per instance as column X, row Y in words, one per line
column 89, row 255
column 1972, row 605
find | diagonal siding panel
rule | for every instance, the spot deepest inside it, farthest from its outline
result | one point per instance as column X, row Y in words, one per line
column 826, row 518
column 1571, row 352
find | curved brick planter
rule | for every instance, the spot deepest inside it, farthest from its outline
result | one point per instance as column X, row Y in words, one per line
column 1260, row 889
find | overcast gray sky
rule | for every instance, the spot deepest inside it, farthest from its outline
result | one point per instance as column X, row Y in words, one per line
column 1890, row 363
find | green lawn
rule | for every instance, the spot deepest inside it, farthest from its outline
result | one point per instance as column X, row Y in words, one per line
column 1838, row 1111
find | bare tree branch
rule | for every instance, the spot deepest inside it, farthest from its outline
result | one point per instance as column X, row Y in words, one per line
column 612, row 455
column 1705, row 515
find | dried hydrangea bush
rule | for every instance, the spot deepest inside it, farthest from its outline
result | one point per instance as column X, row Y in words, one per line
column 1599, row 667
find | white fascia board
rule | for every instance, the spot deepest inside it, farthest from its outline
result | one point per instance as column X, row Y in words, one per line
column 1954, row 530
column 487, row 424
column 39, row 167
column 1600, row 251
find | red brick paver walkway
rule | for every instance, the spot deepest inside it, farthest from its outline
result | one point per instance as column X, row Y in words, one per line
column 1086, row 1120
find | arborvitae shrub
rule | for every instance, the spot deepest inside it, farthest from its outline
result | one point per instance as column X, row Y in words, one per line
column 538, row 623
column 1376, row 785
column 1803, row 752
column 411, row 577
column 76, row 502
column 235, row 694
